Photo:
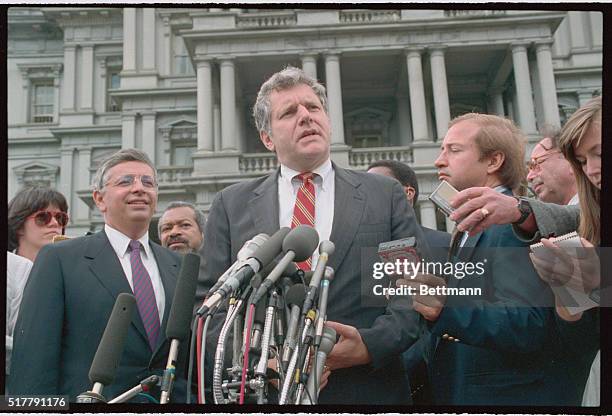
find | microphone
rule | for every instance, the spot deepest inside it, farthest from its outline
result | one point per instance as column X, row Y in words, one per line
column 107, row 357
column 244, row 253
column 295, row 299
column 327, row 278
column 327, row 343
column 298, row 245
column 326, row 249
column 260, row 258
column 179, row 319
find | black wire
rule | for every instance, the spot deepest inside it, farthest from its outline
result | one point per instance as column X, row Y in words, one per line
column 191, row 355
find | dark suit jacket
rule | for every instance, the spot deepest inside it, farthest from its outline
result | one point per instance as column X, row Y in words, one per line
column 368, row 210
column 495, row 349
column 414, row 357
column 66, row 305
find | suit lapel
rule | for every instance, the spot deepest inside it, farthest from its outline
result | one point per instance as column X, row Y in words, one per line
column 168, row 270
column 263, row 207
column 106, row 267
column 349, row 203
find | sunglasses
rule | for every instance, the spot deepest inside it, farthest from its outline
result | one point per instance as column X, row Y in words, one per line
column 42, row 218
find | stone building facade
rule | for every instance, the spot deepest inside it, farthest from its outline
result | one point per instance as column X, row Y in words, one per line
column 179, row 83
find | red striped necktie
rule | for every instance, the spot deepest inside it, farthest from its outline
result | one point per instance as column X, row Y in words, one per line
column 304, row 210
column 144, row 294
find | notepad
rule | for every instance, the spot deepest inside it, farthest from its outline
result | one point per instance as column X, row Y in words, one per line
column 567, row 295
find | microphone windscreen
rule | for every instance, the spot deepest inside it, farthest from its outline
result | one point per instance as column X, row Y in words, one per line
column 105, row 362
column 296, row 295
column 272, row 247
column 327, row 246
column 302, row 240
column 179, row 319
column 328, row 340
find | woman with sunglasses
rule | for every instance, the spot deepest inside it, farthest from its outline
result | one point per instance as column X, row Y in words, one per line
column 35, row 215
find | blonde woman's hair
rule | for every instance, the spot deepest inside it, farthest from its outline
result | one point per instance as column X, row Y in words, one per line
column 571, row 135
column 498, row 134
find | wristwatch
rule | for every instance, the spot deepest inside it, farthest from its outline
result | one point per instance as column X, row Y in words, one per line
column 523, row 206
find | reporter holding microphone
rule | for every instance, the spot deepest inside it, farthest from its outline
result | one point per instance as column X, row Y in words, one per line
column 74, row 284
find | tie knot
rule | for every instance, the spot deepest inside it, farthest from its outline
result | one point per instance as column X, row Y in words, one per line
column 305, row 177
column 134, row 245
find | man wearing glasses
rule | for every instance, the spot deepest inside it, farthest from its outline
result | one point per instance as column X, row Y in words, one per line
column 550, row 176
column 74, row 284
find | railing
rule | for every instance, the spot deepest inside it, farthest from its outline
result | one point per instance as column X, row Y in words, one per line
column 362, row 158
column 172, row 174
column 473, row 13
column 266, row 20
column 369, row 16
column 257, row 163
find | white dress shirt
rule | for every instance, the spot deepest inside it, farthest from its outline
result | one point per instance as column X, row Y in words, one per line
column 120, row 243
column 324, row 184
column 574, row 200
column 17, row 272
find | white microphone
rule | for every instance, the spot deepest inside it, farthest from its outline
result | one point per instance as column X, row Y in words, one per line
column 244, row 253
column 260, row 258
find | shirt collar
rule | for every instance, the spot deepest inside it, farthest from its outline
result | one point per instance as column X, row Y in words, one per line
column 323, row 172
column 120, row 241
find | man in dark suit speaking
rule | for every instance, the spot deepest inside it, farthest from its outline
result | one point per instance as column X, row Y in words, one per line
column 74, row 284
column 353, row 210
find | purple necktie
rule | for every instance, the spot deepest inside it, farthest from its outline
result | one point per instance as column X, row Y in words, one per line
column 144, row 294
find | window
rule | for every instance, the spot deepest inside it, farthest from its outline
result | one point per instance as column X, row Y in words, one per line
column 42, row 102
column 114, row 82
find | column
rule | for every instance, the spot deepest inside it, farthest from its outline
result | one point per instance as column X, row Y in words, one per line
column 148, row 39
column 69, row 87
column 523, row 89
column 547, row 82
column 56, row 97
column 84, row 178
column 334, row 98
column 403, row 115
column 428, row 214
column 148, row 135
column 228, row 105
column 440, row 90
column 129, row 39
column 417, row 95
column 167, row 47
column 128, row 131
column 309, row 65
column 27, row 97
column 65, row 185
column 204, row 107
column 496, row 102
column 217, row 126
column 87, row 84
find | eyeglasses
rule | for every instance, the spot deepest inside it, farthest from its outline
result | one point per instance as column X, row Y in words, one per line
column 535, row 163
column 42, row 218
column 126, row 181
